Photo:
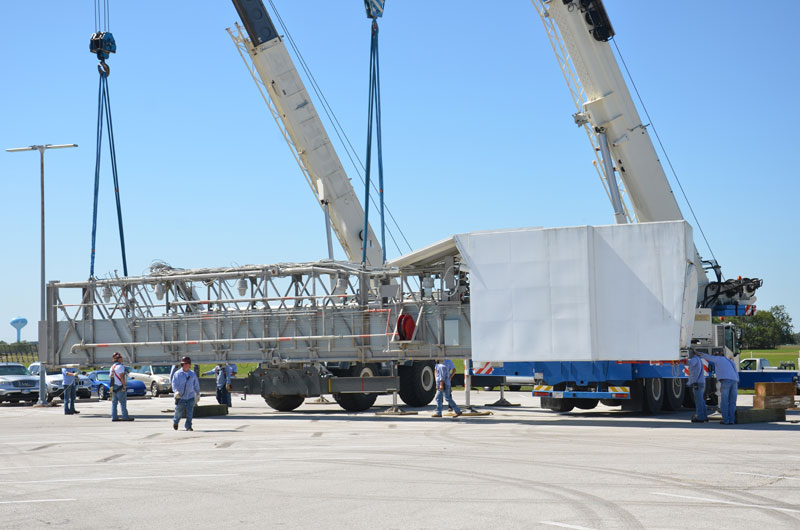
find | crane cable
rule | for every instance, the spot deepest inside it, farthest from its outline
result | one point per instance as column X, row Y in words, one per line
column 661, row 145
column 102, row 44
column 339, row 130
column 374, row 111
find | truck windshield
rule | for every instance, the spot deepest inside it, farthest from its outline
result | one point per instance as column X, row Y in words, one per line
column 730, row 340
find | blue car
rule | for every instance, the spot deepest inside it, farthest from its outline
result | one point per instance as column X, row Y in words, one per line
column 100, row 384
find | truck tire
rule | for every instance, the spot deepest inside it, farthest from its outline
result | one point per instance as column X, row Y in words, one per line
column 611, row 402
column 284, row 403
column 674, row 393
column 653, row 395
column 586, row 403
column 514, row 388
column 358, row 402
column 417, row 383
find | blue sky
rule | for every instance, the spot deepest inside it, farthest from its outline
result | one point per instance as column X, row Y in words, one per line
column 477, row 132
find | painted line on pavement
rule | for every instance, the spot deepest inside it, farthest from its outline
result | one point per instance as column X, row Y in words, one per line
column 766, row 476
column 105, row 479
column 565, row 525
column 38, row 500
column 128, row 462
column 718, row 501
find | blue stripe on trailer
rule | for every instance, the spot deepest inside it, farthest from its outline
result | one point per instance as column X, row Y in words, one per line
column 585, row 394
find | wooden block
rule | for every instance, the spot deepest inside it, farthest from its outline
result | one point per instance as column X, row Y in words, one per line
column 775, row 389
column 748, row 415
column 773, row 402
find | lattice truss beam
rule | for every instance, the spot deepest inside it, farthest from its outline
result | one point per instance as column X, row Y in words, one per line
column 305, row 312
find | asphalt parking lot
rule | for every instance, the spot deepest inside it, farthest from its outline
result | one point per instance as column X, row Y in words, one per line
column 321, row 467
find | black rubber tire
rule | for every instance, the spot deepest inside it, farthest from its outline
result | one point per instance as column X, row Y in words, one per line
column 102, row 393
column 653, row 399
column 417, row 383
column 355, row 402
column 154, row 390
column 674, row 393
column 284, row 403
column 358, row 402
column 611, row 402
column 586, row 403
column 514, row 388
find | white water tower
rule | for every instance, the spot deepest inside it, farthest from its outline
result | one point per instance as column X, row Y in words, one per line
column 19, row 323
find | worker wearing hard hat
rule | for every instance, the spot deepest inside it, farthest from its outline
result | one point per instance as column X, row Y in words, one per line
column 186, row 387
column 118, row 384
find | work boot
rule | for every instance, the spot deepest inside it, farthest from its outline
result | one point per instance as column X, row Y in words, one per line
column 175, row 426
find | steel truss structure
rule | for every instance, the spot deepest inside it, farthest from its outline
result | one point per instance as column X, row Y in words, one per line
column 324, row 311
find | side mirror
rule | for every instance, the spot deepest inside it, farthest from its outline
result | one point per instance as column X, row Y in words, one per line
column 738, row 333
column 148, row 373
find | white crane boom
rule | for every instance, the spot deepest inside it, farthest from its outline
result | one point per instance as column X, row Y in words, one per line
column 583, row 30
column 303, row 130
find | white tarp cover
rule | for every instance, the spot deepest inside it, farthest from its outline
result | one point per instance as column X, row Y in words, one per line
column 620, row 292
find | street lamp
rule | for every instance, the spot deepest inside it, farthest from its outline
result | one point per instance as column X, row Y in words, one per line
column 41, row 149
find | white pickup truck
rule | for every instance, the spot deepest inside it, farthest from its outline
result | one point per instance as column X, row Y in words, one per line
column 750, row 366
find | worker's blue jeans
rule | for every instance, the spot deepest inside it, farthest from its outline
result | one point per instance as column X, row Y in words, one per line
column 729, row 390
column 700, row 400
column 222, row 395
column 184, row 405
column 119, row 395
column 440, row 395
column 69, row 399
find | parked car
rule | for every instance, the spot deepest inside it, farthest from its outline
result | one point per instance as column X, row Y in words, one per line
column 100, row 385
column 55, row 384
column 17, row 384
column 155, row 377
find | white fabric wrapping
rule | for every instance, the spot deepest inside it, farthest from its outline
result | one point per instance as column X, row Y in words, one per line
column 619, row 292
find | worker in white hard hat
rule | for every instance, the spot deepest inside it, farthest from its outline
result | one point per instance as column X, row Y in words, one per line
column 118, row 384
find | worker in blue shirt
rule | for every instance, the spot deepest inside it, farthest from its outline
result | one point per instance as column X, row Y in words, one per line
column 445, row 370
column 232, row 371
column 222, row 373
column 69, row 379
column 186, row 388
column 728, row 377
column 697, row 383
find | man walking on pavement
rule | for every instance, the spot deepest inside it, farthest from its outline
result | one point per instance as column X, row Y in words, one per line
column 697, row 382
column 223, row 382
column 69, row 377
column 728, row 377
column 118, row 382
column 186, row 387
column 445, row 370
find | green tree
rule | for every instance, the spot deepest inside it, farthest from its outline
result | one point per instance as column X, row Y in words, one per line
column 785, row 322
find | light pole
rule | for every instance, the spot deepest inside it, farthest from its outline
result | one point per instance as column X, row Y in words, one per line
column 41, row 149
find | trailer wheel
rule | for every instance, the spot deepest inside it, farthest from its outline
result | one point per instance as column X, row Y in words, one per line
column 514, row 388
column 417, row 383
column 358, row 402
column 653, row 395
column 586, row 403
column 611, row 402
column 284, row 403
column 675, row 391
